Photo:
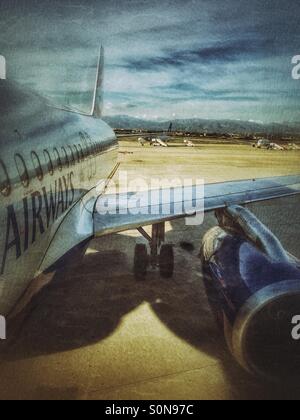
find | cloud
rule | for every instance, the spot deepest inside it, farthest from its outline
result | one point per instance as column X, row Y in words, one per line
column 195, row 57
column 219, row 52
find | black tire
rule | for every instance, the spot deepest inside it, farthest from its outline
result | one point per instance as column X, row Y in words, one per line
column 141, row 262
column 166, row 261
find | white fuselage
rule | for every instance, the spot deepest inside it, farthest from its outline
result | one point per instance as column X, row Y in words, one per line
column 49, row 160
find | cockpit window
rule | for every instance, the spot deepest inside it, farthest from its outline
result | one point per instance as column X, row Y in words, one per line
column 48, row 161
column 5, row 185
column 22, row 170
column 37, row 166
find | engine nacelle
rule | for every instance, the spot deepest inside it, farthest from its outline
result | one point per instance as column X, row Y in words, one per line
column 253, row 286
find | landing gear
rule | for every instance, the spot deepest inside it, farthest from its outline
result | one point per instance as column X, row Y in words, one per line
column 161, row 255
column 166, row 261
column 141, row 262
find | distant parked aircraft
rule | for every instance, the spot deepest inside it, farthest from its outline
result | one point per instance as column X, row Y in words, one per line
column 266, row 144
column 263, row 144
column 160, row 140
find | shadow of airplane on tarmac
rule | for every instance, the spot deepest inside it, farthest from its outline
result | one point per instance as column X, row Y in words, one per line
column 86, row 304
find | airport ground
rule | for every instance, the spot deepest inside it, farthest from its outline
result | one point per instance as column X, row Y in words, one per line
column 96, row 333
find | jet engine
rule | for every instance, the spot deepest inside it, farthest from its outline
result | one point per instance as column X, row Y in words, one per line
column 253, row 287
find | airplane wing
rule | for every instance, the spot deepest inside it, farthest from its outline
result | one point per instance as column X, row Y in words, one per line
column 121, row 212
column 161, row 142
column 98, row 215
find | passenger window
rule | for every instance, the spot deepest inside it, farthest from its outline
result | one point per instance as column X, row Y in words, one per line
column 85, row 145
column 58, row 159
column 77, row 153
column 5, row 185
column 89, row 144
column 37, row 166
column 67, row 163
column 48, row 162
column 22, row 170
column 90, row 147
column 72, row 158
column 80, row 152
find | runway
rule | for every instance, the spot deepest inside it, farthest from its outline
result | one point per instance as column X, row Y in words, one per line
column 95, row 333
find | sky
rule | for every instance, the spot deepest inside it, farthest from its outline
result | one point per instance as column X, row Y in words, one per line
column 215, row 59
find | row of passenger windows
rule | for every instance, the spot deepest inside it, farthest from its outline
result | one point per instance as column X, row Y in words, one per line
column 49, row 162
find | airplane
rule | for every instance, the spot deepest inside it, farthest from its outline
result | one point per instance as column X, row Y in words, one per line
column 161, row 140
column 263, row 144
column 189, row 143
column 52, row 162
column 267, row 144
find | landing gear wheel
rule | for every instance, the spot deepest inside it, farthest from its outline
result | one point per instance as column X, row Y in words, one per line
column 141, row 261
column 166, row 261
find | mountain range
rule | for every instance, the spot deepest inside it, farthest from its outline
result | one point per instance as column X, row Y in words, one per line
column 197, row 125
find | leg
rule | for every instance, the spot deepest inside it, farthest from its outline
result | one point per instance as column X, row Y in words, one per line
column 161, row 255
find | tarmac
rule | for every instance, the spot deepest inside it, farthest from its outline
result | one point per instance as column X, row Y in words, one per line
column 96, row 333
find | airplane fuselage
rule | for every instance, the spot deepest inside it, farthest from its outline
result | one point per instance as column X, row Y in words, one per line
column 50, row 159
